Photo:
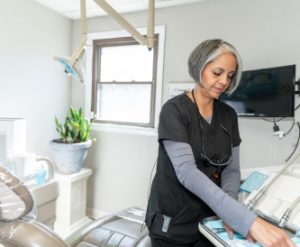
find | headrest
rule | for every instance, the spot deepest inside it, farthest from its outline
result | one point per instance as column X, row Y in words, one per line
column 15, row 199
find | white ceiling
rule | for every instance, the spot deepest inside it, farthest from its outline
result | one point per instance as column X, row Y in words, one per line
column 71, row 8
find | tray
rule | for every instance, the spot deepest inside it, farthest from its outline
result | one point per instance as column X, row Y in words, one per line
column 213, row 229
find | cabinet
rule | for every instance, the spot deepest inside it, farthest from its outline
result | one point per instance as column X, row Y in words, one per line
column 71, row 202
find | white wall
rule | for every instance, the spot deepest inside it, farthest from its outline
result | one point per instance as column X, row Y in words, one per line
column 266, row 32
column 32, row 84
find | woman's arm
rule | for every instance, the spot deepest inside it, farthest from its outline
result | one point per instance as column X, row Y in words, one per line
column 231, row 175
column 229, row 210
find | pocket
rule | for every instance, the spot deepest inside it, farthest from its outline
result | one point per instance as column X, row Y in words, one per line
column 169, row 228
column 157, row 225
column 159, row 222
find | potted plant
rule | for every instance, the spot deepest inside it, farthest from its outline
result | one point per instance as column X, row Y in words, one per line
column 70, row 150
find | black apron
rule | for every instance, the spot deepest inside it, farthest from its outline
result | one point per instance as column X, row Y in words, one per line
column 173, row 212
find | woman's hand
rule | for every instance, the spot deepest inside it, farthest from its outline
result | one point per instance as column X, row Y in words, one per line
column 229, row 231
column 269, row 235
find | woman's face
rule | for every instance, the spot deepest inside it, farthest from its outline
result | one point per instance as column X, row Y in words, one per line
column 217, row 75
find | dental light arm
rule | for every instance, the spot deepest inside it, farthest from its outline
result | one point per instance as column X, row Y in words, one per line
column 149, row 41
column 73, row 65
column 79, row 52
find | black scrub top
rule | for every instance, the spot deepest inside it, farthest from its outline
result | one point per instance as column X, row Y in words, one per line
column 180, row 121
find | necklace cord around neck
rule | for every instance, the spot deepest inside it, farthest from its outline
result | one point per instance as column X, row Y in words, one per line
column 195, row 101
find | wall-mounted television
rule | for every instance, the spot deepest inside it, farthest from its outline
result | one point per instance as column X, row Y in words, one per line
column 268, row 92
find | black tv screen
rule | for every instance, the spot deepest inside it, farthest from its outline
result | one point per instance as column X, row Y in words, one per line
column 266, row 92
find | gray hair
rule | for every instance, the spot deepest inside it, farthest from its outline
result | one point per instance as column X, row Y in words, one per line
column 206, row 52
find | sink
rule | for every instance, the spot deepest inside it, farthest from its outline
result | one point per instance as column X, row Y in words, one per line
column 45, row 201
column 44, row 194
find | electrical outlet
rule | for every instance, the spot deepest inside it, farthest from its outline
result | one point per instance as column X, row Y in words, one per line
column 280, row 134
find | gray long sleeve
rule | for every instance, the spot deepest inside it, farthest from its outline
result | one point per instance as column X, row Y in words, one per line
column 231, row 175
column 229, row 210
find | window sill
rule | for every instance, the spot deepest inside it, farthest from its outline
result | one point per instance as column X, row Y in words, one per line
column 125, row 129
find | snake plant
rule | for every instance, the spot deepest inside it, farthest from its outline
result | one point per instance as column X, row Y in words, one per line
column 75, row 129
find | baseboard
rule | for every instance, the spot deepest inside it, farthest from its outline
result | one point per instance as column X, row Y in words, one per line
column 95, row 213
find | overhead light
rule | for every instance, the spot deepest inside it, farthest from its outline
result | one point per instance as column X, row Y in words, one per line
column 74, row 65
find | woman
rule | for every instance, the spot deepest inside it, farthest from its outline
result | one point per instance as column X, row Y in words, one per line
column 198, row 172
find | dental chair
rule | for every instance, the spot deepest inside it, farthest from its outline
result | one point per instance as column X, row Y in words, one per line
column 111, row 231
column 18, row 228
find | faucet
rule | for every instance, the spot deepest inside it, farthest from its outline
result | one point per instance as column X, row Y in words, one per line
column 49, row 164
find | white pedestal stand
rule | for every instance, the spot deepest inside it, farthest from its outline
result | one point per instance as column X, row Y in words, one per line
column 71, row 203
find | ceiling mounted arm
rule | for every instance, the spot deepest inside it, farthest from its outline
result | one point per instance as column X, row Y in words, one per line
column 73, row 65
column 79, row 52
column 149, row 41
column 150, row 27
column 83, row 17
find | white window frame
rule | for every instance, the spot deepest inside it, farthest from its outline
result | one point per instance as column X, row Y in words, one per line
column 160, row 30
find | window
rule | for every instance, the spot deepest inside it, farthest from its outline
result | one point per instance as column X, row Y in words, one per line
column 124, row 82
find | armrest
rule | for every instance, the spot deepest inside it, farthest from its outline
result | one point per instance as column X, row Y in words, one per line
column 29, row 233
column 15, row 198
column 15, row 202
column 78, row 235
column 113, row 230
